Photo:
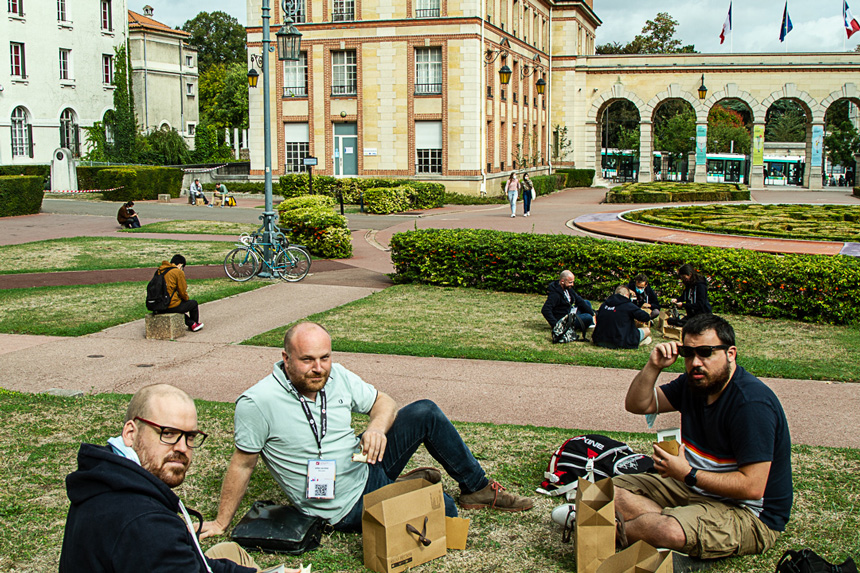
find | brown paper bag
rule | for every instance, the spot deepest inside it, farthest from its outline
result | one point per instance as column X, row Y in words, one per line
column 403, row 526
column 638, row 558
column 595, row 524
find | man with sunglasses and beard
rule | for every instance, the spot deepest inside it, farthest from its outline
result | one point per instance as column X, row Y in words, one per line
column 124, row 515
column 729, row 489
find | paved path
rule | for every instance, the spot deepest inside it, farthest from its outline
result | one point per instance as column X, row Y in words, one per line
column 211, row 365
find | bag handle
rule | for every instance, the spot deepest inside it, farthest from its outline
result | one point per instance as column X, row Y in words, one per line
column 422, row 535
column 786, row 563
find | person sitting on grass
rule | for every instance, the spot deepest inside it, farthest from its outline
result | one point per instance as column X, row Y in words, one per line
column 729, row 489
column 174, row 278
column 620, row 323
column 646, row 298
column 566, row 311
column 126, row 216
column 694, row 299
column 302, row 413
column 124, row 515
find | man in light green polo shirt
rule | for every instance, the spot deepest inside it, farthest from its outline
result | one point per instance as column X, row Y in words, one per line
column 298, row 419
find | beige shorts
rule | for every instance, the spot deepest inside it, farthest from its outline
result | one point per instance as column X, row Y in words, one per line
column 713, row 528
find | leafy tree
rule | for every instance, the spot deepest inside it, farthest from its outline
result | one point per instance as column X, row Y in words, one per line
column 206, row 145
column 231, row 102
column 621, row 114
column 842, row 143
column 219, row 39
column 786, row 122
column 561, row 142
column 677, row 135
column 838, row 113
column 657, row 37
column 629, row 139
column 164, row 147
column 724, row 127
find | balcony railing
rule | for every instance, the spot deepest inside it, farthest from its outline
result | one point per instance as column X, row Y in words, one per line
column 347, row 89
column 427, row 12
column 424, row 89
column 298, row 91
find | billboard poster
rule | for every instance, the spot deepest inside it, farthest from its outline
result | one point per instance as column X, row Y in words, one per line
column 701, row 144
column 817, row 145
column 758, row 145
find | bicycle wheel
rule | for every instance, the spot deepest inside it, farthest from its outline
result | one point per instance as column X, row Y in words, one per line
column 292, row 264
column 241, row 264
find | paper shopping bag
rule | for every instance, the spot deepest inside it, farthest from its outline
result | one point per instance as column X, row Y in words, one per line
column 403, row 525
column 638, row 558
column 595, row 524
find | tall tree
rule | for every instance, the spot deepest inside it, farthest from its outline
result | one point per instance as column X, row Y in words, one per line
column 124, row 121
column 786, row 122
column 677, row 135
column 657, row 37
column 219, row 39
column 841, row 144
column 727, row 131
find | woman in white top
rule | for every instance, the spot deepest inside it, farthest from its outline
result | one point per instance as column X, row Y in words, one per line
column 512, row 187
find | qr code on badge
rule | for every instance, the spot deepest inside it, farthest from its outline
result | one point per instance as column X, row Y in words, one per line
column 321, row 490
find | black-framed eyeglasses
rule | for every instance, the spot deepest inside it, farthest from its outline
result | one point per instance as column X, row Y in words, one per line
column 171, row 436
column 702, row 351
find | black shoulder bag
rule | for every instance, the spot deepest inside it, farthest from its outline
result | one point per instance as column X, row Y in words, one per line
column 807, row 561
column 273, row 528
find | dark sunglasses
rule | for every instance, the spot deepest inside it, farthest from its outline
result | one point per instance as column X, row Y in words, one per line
column 701, row 351
column 171, row 436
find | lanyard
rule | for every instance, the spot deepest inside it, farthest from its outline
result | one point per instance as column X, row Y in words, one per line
column 318, row 435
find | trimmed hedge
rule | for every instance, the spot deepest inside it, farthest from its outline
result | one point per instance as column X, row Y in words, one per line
column 139, row 183
column 578, row 177
column 21, row 194
column 424, row 195
column 34, row 170
column 242, row 187
column 310, row 221
column 811, row 288
column 87, row 176
column 672, row 192
column 385, row 200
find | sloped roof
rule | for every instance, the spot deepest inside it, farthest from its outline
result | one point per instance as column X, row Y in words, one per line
column 140, row 22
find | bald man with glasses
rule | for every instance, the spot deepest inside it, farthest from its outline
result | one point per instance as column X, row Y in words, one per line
column 124, row 515
column 729, row 489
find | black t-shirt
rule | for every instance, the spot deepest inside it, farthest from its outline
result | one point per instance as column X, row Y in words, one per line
column 746, row 425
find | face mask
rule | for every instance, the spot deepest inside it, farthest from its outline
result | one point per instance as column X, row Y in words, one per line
column 640, row 290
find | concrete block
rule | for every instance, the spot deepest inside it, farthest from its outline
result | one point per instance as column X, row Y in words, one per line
column 165, row 326
column 164, row 198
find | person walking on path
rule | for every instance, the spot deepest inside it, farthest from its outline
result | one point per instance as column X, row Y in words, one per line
column 528, row 192
column 512, row 188
column 174, row 278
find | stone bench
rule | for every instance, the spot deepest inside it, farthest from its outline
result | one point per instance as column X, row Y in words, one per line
column 165, row 326
column 164, row 198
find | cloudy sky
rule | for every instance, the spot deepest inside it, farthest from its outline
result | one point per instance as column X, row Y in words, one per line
column 817, row 25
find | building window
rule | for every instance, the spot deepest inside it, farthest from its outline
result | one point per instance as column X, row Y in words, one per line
column 344, row 10
column 189, row 62
column 62, row 16
column 16, row 7
column 301, row 12
column 19, row 66
column 427, row 9
column 297, row 147
column 21, row 134
column 192, row 127
column 189, row 90
column 428, row 70
column 107, row 69
column 107, row 16
column 65, row 59
column 69, row 132
column 108, row 121
column 428, row 147
column 296, row 76
column 344, row 73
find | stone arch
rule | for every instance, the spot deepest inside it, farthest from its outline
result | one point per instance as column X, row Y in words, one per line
column 674, row 91
column 790, row 91
column 847, row 91
column 732, row 91
column 618, row 91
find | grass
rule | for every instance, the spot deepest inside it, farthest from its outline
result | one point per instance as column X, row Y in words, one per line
column 420, row 320
column 195, row 228
column 810, row 222
column 68, row 310
column 41, row 434
column 97, row 253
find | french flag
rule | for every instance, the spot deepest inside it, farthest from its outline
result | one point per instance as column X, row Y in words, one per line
column 727, row 25
column 852, row 26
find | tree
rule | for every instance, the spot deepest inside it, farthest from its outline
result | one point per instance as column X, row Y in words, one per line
column 231, row 102
column 842, row 143
column 727, row 131
column 219, row 39
column 164, row 147
column 657, row 37
column 116, row 140
column 677, row 135
column 786, row 122
column 561, row 143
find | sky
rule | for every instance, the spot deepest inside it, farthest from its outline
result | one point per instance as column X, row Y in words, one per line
column 817, row 25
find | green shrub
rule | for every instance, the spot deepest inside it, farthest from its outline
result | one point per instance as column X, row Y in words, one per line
column 21, row 194
column 578, row 177
column 306, row 202
column 139, row 182
column 34, row 170
column 322, row 231
column 241, row 187
column 87, row 176
column 813, row 288
column 425, row 195
column 296, row 185
column 385, row 200
column 673, row 192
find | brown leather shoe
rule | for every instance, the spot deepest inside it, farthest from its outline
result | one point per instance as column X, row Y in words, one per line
column 495, row 496
column 430, row 474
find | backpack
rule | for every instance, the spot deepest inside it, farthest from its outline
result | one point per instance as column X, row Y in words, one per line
column 591, row 456
column 157, row 297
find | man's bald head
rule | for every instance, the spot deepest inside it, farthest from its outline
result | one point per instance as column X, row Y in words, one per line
column 140, row 405
column 300, row 329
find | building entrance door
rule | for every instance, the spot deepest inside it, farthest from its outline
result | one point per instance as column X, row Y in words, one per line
column 345, row 152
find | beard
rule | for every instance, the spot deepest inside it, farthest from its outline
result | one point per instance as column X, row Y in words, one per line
column 307, row 383
column 711, row 382
column 171, row 474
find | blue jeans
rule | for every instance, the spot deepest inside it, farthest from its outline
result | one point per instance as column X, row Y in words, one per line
column 527, row 200
column 419, row 423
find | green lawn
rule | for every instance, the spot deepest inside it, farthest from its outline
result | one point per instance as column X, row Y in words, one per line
column 196, row 228
column 421, row 320
column 40, row 436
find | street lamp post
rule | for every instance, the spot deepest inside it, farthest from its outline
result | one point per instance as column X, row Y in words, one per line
column 289, row 42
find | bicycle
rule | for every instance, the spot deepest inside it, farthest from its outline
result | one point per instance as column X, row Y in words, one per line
column 291, row 263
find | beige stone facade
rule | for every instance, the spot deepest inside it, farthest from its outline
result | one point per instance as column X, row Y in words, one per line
column 377, row 115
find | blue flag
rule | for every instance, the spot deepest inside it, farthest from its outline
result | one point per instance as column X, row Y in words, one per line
column 786, row 24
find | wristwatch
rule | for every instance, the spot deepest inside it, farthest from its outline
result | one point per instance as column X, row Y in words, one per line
column 690, row 478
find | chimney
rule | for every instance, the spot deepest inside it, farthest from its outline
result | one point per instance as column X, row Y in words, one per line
column 147, row 11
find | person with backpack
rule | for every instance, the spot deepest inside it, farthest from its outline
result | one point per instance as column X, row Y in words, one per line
column 173, row 274
column 566, row 311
